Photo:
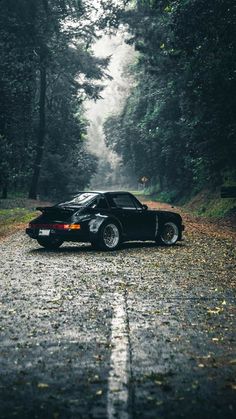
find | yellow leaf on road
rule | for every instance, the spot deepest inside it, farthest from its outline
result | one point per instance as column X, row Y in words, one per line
column 42, row 385
column 99, row 393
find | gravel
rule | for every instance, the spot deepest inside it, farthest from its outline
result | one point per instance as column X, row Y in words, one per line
column 57, row 341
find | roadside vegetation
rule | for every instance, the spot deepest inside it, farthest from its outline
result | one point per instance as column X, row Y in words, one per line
column 177, row 128
column 209, row 204
column 15, row 213
column 206, row 203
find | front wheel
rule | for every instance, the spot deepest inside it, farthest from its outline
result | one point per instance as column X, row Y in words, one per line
column 50, row 243
column 109, row 237
column 169, row 234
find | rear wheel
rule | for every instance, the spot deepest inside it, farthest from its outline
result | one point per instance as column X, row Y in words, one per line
column 109, row 237
column 50, row 243
column 169, row 234
column 94, row 245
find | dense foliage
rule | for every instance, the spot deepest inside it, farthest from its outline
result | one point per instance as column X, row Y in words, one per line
column 47, row 69
column 178, row 126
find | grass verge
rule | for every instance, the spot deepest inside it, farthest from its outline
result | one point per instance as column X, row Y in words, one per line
column 13, row 219
column 15, row 214
column 210, row 204
column 206, row 203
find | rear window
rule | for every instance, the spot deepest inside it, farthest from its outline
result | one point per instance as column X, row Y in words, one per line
column 80, row 200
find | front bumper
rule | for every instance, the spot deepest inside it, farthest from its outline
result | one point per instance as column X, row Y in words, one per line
column 182, row 229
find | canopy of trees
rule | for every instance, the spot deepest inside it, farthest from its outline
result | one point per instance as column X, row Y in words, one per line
column 178, row 126
column 47, row 69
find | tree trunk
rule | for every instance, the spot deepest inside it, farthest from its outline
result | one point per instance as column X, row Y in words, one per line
column 4, row 191
column 161, row 182
column 41, row 131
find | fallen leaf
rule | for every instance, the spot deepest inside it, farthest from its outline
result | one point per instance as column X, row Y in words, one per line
column 42, row 385
column 99, row 393
column 98, row 357
column 216, row 310
column 159, row 383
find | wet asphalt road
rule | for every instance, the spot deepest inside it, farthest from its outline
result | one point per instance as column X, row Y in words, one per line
column 143, row 332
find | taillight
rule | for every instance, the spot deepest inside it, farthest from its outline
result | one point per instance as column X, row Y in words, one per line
column 74, row 226
column 60, row 226
column 56, row 226
column 69, row 226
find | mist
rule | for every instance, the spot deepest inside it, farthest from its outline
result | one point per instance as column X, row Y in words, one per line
column 110, row 172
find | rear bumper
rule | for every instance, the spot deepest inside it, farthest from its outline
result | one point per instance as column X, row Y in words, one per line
column 70, row 235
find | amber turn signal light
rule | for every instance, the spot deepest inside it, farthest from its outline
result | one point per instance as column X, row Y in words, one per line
column 74, row 226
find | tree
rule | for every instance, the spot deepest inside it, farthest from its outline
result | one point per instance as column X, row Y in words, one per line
column 54, row 55
column 178, row 126
column 47, row 69
column 17, row 84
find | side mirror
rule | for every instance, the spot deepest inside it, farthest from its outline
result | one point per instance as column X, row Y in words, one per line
column 145, row 207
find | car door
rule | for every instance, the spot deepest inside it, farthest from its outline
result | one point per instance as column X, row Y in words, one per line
column 137, row 223
column 147, row 222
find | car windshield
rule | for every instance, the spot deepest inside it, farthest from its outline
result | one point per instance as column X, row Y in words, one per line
column 80, row 200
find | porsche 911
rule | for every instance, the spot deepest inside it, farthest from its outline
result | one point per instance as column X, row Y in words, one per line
column 105, row 219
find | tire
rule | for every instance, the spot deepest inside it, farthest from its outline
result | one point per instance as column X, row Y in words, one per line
column 109, row 236
column 50, row 243
column 169, row 234
column 94, row 245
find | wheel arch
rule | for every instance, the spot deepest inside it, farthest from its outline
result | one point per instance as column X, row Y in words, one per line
column 170, row 217
column 99, row 220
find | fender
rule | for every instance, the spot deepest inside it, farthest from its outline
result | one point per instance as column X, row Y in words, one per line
column 98, row 220
column 169, row 216
column 166, row 216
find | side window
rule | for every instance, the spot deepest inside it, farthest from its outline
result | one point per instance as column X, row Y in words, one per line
column 102, row 203
column 123, row 201
column 99, row 202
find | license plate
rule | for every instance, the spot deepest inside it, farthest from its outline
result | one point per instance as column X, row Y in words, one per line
column 44, row 232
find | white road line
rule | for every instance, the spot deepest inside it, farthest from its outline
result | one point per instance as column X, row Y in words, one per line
column 117, row 404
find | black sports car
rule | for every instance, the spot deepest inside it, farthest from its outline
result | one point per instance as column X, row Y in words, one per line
column 105, row 219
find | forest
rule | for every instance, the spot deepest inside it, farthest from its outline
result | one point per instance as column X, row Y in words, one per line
column 177, row 127
column 47, row 70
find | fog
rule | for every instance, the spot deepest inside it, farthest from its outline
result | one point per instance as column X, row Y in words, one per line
column 110, row 173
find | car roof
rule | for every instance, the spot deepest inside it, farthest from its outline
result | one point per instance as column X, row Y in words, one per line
column 109, row 192
column 104, row 192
